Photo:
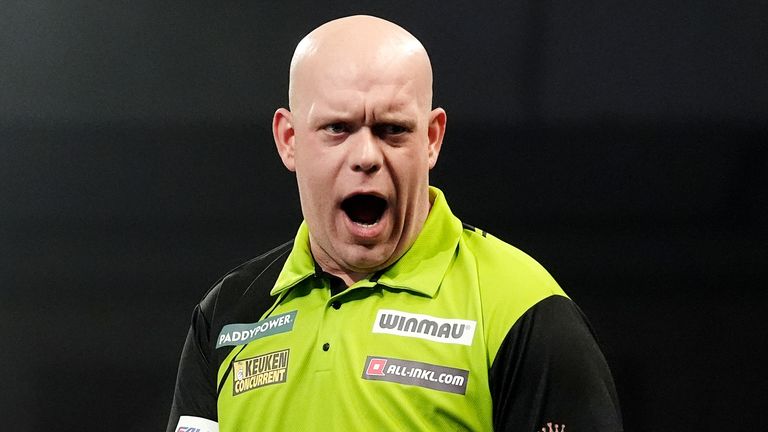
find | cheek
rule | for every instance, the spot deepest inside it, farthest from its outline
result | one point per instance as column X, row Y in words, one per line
column 316, row 157
column 412, row 166
column 316, row 183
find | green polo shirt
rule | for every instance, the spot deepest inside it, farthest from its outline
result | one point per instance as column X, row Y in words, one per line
column 463, row 332
column 405, row 349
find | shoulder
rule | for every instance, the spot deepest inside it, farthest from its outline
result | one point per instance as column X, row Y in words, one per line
column 550, row 367
column 244, row 287
column 510, row 282
column 507, row 270
column 506, row 273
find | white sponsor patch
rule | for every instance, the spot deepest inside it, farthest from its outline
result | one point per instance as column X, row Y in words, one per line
column 196, row 424
column 443, row 330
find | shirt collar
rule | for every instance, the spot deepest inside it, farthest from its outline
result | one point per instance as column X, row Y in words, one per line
column 420, row 269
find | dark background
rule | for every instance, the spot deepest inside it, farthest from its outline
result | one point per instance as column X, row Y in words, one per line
column 622, row 144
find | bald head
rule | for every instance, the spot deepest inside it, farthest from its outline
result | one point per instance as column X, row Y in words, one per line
column 360, row 130
column 358, row 47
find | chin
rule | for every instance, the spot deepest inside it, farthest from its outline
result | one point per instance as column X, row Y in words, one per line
column 368, row 261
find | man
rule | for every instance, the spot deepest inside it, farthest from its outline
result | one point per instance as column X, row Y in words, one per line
column 385, row 312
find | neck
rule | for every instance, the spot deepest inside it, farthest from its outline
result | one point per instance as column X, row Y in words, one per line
column 350, row 278
column 347, row 276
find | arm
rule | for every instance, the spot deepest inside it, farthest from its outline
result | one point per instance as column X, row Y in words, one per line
column 549, row 369
column 194, row 399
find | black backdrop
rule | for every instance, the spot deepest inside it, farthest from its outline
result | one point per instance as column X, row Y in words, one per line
column 622, row 144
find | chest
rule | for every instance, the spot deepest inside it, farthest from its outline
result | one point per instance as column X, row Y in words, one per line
column 365, row 359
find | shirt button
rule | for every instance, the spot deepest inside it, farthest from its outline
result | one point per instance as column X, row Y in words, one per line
column 326, row 346
column 336, row 305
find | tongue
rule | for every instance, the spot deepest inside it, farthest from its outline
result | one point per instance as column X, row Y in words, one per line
column 364, row 209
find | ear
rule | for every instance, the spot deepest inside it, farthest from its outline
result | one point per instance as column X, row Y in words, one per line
column 435, row 132
column 285, row 137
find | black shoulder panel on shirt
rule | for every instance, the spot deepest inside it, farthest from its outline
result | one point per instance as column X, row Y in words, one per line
column 241, row 296
column 549, row 369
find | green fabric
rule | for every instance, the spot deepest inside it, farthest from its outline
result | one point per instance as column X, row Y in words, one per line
column 473, row 286
column 419, row 270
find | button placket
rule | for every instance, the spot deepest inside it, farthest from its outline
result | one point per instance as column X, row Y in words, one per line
column 328, row 329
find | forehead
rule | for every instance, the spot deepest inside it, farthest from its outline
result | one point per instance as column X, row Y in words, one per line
column 361, row 92
column 354, row 83
column 391, row 79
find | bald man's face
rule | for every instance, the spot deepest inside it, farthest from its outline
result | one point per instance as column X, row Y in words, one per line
column 361, row 139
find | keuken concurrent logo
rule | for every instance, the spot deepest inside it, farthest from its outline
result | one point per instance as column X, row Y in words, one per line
column 259, row 371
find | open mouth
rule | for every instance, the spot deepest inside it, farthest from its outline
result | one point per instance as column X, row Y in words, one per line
column 364, row 209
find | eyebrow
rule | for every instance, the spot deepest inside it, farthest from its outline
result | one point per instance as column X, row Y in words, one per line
column 346, row 117
column 397, row 120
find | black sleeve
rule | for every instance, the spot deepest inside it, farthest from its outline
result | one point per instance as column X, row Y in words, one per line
column 195, row 392
column 241, row 296
column 550, row 375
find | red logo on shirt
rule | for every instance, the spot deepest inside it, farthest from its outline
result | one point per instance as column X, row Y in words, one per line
column 557, row 428
column 376, row 367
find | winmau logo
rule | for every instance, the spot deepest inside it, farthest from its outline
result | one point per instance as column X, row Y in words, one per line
column 452, row 331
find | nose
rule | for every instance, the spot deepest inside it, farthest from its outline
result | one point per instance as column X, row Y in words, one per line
column 365, row 154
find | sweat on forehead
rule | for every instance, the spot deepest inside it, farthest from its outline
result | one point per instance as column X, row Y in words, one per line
column 355, row 45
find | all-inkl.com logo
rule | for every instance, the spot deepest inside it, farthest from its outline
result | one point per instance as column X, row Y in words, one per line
column 415, row 373
column 376, row 367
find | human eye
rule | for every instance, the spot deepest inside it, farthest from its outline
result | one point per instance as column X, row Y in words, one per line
column 336, row 128
column 391, row 130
